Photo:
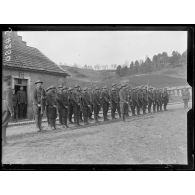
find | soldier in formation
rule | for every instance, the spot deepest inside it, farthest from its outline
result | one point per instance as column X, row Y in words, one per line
column 69, row 102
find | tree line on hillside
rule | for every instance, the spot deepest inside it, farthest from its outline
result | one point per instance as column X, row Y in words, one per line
column 157, row 62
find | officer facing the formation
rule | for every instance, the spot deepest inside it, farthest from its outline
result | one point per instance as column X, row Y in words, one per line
column 7, row 106
column 85, row 105
column 165, row 97
column 123, row 101
column 39, row 103
column 51, row 107
column 22, row 103
column 105, row 102
column 96, row 104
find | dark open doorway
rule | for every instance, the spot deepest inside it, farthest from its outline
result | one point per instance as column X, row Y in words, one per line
column 22, row 108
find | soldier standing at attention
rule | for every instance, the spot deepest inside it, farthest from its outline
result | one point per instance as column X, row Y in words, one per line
column 150, row 99
column 115, row 101
column 165, row 96
column 76, row 105
column 185, row 97
column 90, row 94
column 105, row 102
column 96, row 104
column 145, row 101
column 60, row 104
column 70, row 105
column 15, row 105
column 7, row 106
column 22, row 102
column 154, row 100
column 160, row 99
column 85, row 106
column 39, row 103
column 131, row 101
column 140, row 99
column 123, row 101
column 51, row 104
column 65, row 101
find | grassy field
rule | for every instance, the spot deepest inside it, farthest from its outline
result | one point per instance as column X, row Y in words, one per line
column 164, row 78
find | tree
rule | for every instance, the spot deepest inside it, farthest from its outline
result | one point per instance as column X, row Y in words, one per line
column 131, row 69
column 136, row 67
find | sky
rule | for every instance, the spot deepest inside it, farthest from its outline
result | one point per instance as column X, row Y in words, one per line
column 104, row 47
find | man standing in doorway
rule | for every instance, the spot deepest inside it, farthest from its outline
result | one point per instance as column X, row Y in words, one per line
column 22, row 102
column 39, row 96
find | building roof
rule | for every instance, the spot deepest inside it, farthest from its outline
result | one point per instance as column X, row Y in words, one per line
column 26, row 57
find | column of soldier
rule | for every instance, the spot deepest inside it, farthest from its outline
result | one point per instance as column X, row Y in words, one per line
column 83, row 102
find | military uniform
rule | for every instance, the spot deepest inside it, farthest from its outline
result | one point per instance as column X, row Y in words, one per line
column 165, row 97
column 96, row 104
column 123, row 101
column 105, row 99
column 75, row 97
column 145, row 100
column 7, row 108
column 155, row 100
column 51, row 107
column 85, row 105
column 140, row 100
column 132, row 102
column 90, row 94
column 150, row 100
column 22, row 103
column 39, row 96
column 60, row 104
column 115, row 103
column 160, row 99
column 70, row 105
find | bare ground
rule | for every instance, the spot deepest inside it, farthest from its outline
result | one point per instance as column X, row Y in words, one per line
column 152, row 139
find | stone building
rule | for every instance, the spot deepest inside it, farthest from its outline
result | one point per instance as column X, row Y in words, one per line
column 26, row 65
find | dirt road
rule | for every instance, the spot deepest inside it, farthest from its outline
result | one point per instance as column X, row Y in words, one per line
column 153, row 139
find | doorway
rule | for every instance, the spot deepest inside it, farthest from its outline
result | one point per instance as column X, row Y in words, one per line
column 22, row 107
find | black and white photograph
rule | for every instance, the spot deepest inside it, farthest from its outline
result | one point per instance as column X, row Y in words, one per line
column 93, row 97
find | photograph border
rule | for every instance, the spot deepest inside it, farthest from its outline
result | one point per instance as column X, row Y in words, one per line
column 117, row 167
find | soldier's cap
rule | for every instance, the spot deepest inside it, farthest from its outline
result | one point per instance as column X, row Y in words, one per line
column 113, row 84
column 70, row 89
column 85, row 89
column 51, row 87
column 60, row 86
column 104, row 87
column 38, row 81
column 123, row 85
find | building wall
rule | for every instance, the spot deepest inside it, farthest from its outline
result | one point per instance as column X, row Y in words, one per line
column 47, row 79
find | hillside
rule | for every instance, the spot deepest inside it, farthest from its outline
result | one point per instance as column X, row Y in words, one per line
column 168, row 77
